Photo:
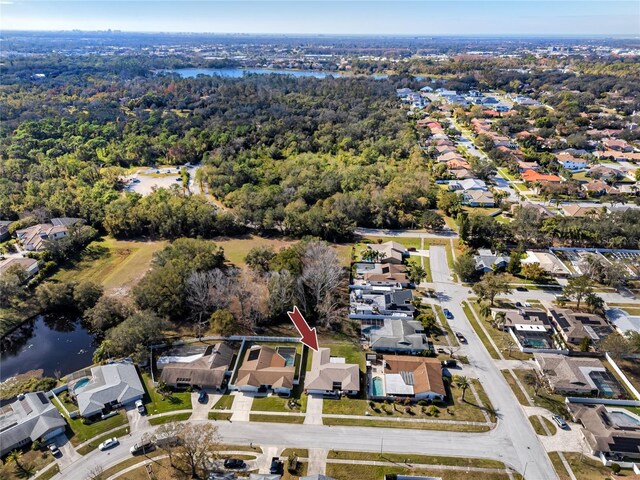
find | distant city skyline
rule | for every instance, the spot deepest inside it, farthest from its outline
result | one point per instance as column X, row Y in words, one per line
column 419, row 17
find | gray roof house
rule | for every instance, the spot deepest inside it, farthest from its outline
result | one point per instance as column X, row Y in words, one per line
column 34, row 238
column 487, row 261
column 365, row 305
column 30, row 417
column 110, row 385
column 401, row 336
column 331, row 375
column 206, row 371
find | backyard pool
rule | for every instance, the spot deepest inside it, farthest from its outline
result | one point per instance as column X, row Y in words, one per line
column 81, row 383
column 289, row 355
column 624, row 419
column 378, row 388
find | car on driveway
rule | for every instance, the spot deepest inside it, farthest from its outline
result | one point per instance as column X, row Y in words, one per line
column 55, row 451
column 140, row 407
column 109, row 443
column 448, row 315
column 203, row 397
column 560, row 421
column 234, row 463
column 441, row 350
column 277, row 467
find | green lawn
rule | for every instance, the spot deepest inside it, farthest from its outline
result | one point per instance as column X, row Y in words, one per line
column 113, row 263
column 225, row 403
column 93, row 444
column 177, row 417
column 156, row 403
column 544, row 399
column 220, row 415
column 537, row 421
column 483, row 337
column 515, row 388
column 583, row 468
column 415, row 458
column 453, row 340
column 416, row 260
column 379, row 423
column 275, row 404
column 256, row 417
column 351, row 352
column 49, row 474
column 369, row 472
column 81, row 432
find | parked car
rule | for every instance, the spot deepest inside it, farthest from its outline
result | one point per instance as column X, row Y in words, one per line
column 560, row 421
column 461, row 337
column 522, row 289
column 202, row 397
column 411, row 249
column 449, row 363
column 139, row 448
column 140, row 406
column 109, row 443
column 53, row 448
column 441, row 350
column 276, row 466
column 519, row 305
column 448, row 315
column 234, row 463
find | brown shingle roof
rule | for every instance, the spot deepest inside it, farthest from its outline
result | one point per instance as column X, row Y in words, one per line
column 427, row 372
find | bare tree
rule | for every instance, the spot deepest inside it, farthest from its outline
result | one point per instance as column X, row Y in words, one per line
column 96, row 473
column 208, row 291
column 281, row 286
column 321, row 277
column 195, row 447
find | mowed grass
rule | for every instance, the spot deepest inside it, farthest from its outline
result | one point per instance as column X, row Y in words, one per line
column 93, row 444
column 176, row 417
column 415, row 458
column 116, row 264
column 537, row 423
column 583, row 468
column 369, row 472
column 256, row 417
column 236, row 249
column 156, row 403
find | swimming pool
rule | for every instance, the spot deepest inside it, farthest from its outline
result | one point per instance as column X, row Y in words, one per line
column 377, row 387
column 81, row 383
column 289, row 355
column 537, row 343
column 370, row 329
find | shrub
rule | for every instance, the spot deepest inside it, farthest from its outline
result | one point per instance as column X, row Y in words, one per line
column 615, row 468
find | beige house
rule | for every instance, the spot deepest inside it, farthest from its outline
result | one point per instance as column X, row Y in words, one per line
column 34, row 238
column 265, row 369
column 391, row 252
column 418, row 378
column 208, row 371
column 331, row 375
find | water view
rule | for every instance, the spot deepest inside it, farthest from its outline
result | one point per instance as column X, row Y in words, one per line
column 52, row 343
column 240, row 72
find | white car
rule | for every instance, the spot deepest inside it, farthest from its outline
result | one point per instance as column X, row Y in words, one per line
column 110, row 443
column 140, row 406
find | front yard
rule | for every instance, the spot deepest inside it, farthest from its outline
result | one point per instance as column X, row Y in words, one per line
column 81, row 432
column 157, row 403
column 368, row 472
column 32, row 461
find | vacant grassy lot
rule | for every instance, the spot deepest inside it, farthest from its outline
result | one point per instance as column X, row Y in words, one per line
column 116, row 264
column 156, row 403
column 414, row 458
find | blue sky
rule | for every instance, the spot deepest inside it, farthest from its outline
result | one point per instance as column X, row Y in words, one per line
column 426, row 17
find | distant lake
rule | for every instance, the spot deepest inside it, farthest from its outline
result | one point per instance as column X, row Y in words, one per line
column 240, row 72
column 50, row 343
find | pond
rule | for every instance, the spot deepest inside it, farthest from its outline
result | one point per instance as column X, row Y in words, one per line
column 240, row 72
column 52, row 343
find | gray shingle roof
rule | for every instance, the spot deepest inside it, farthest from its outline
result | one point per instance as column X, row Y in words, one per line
column 118, row 382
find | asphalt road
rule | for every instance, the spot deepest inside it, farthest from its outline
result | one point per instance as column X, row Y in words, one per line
column 521, row 447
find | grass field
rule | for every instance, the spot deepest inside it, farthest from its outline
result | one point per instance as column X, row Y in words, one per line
column 256, row 417
column 81, row 432
column 368, row 472
column 225, row 403
column 176, row 417
column 583, row 468
column 483, row 337
column 515, row 388
column 93, row 444
column 156, row 403
column 408, row 424
column 116, row 264
column 414, row 458
column 537, row 421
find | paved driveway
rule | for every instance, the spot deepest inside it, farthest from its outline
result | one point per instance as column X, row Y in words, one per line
column 201, row 410
column 314, row 410
column 68, row 452
column 137, row 422
column 241, row 407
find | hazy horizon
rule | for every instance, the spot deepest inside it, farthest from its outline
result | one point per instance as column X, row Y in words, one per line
column 565, row 18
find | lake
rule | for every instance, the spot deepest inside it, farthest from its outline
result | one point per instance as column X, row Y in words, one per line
column 240, row 72
column 50, row 343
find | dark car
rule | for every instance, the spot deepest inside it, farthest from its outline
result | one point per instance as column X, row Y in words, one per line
column 276, row 466
column 202, row 397
column 234, row 463
column 441, row 350
column 461, row 337
column 522, row 289
column 449, row 363
column 447, row 314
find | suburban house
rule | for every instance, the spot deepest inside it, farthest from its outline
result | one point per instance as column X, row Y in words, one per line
column 206, row 371
column 109, row 387
column 30, row 265
column 575, row 210
column 577, row 375
column 266, row 369
column 574, row 326
column 530, row 326
column 390, row 252
column 397, row 279
column 365, row 305
column 617, row 144
column 400, row 336
column 468, row 184
column 33, row 238
column 461, row 174
column 522, row 166
column 610, row 433
column 29, row 418
column 569, row 162
column 487, row 261
column 331, row 375
column 602, row 172
column 417, row 378
column 598, row 187
column 548, row 262
column 531, row 176
column 478, row 198
column 540, row 209
column 384, row 275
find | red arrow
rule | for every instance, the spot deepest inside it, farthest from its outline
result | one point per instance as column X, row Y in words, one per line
column 309, row 335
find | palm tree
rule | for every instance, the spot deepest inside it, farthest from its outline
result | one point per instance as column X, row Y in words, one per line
column 16, row 457
column 463, row 383
column 485, row 310
column 533, row 380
